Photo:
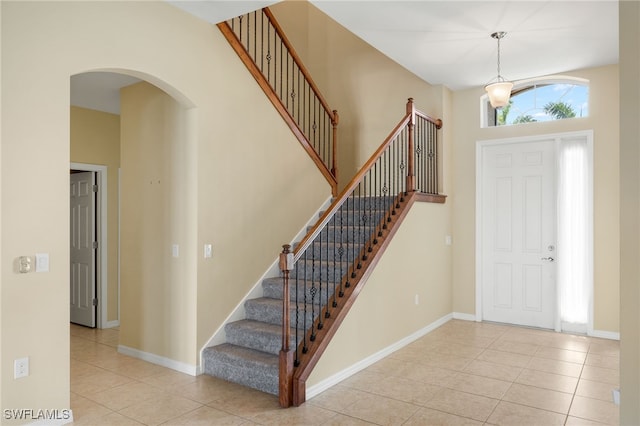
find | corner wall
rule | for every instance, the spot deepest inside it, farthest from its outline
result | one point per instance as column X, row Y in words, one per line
column 629, row 15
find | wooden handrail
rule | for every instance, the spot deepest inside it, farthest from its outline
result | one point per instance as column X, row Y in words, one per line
column 326, row 217
column 298, row 62
column 329, row 175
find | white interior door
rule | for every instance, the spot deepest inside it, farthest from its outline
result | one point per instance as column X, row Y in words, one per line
column 83, row 259
column 518, row 233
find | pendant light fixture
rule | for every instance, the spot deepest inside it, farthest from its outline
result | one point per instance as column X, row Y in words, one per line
column 499, row 89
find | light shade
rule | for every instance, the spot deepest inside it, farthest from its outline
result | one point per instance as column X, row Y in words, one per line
column 499, row 93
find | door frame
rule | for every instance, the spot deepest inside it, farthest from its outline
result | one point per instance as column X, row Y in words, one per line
column 480, row 145
column 101, row 237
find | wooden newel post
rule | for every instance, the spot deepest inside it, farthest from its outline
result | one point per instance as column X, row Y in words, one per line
column 285, row 387
column 410, row 149
column 334, row 160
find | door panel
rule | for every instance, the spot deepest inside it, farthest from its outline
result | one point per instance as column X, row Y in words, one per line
column 518, row 227
column 82, row 252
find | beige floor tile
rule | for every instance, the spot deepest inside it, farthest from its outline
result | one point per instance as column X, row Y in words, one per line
column 245, row 402
column 471, row 339
column 449, row 362
column 598, row 374
column 380, row 410
column 507, row 358
column 159, row 410
column 596, row 410
column 561, row 354
column 605, row 347
column 555, row 366
column 337, row 397
column 342, row 420
column 570, row 342
column 544, row 399
column 364, row 379
column 168, row 380
column 306, row 414
column 492, row 370
column 604, row 361
column 112, row 419
column 100, row 381
column 123, row 396
column 427, row 416
column 463, row 404
column 456, row 349
column 479, row 385
column 577, row 421
column 406, row 390
column 509, row 414
column 206, row 416
column 427, row 374
column 205, row 389
column 389, row 367
column 545, row 380
column 595, row 390
column 516, row 347
column 85, row 410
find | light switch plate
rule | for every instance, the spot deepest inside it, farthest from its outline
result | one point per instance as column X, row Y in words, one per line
column 42, row 262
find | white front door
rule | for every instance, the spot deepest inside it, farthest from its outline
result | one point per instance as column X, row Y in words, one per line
column 518, row 235
column 83, row 235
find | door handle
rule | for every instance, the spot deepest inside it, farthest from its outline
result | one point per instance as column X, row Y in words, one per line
column 550, row 259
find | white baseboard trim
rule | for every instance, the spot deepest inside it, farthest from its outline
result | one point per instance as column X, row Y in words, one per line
column 361, row 365
column 611, row 335
column 463, row 316
column 192, row 370
column 112, row 324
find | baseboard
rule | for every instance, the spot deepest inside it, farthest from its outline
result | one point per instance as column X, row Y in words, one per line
column 464, row 317
column 361, row 365
column 112, row 324
column 192, row 370
column 611, row 335
column 47, row 417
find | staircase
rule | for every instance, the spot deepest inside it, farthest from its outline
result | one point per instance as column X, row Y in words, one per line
column 250, row 355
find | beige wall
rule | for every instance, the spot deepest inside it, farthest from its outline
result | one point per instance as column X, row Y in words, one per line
column 95, row 139
column 630, row 213
column 416, row 262
column 603, row 119
column 159, row 209
column 242, row 170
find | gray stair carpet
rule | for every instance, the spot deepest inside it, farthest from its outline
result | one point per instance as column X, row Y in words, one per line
column 250, row 355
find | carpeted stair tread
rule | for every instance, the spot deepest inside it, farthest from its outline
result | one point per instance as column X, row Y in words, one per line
column 256, row 335
column 248, row 367
column 269, row 310
column 272, row 288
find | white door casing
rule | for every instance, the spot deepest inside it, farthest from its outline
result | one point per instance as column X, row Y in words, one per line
column 516, row 249
column 82, row 250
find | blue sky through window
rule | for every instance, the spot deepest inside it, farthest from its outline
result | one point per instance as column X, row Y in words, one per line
column 529, row 103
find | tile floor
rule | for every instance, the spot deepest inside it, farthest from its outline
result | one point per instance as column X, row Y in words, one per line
column 463, row 373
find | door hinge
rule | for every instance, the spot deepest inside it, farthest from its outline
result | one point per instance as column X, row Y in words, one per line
column 95, row 188
column 95, row 302
column 95, row 244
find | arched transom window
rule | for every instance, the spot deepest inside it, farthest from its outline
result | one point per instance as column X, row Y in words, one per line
column 540, row 100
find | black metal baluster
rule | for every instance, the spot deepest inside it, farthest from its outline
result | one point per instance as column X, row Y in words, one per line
column 296, row 298
column 341, row 249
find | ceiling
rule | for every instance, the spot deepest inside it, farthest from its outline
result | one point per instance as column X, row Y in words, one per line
column 449, row 43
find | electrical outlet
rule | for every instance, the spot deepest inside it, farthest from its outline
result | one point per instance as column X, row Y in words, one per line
column 21, row 368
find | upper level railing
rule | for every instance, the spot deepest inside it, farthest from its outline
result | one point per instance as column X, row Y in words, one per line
column 322, row 275
column 274, row 63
